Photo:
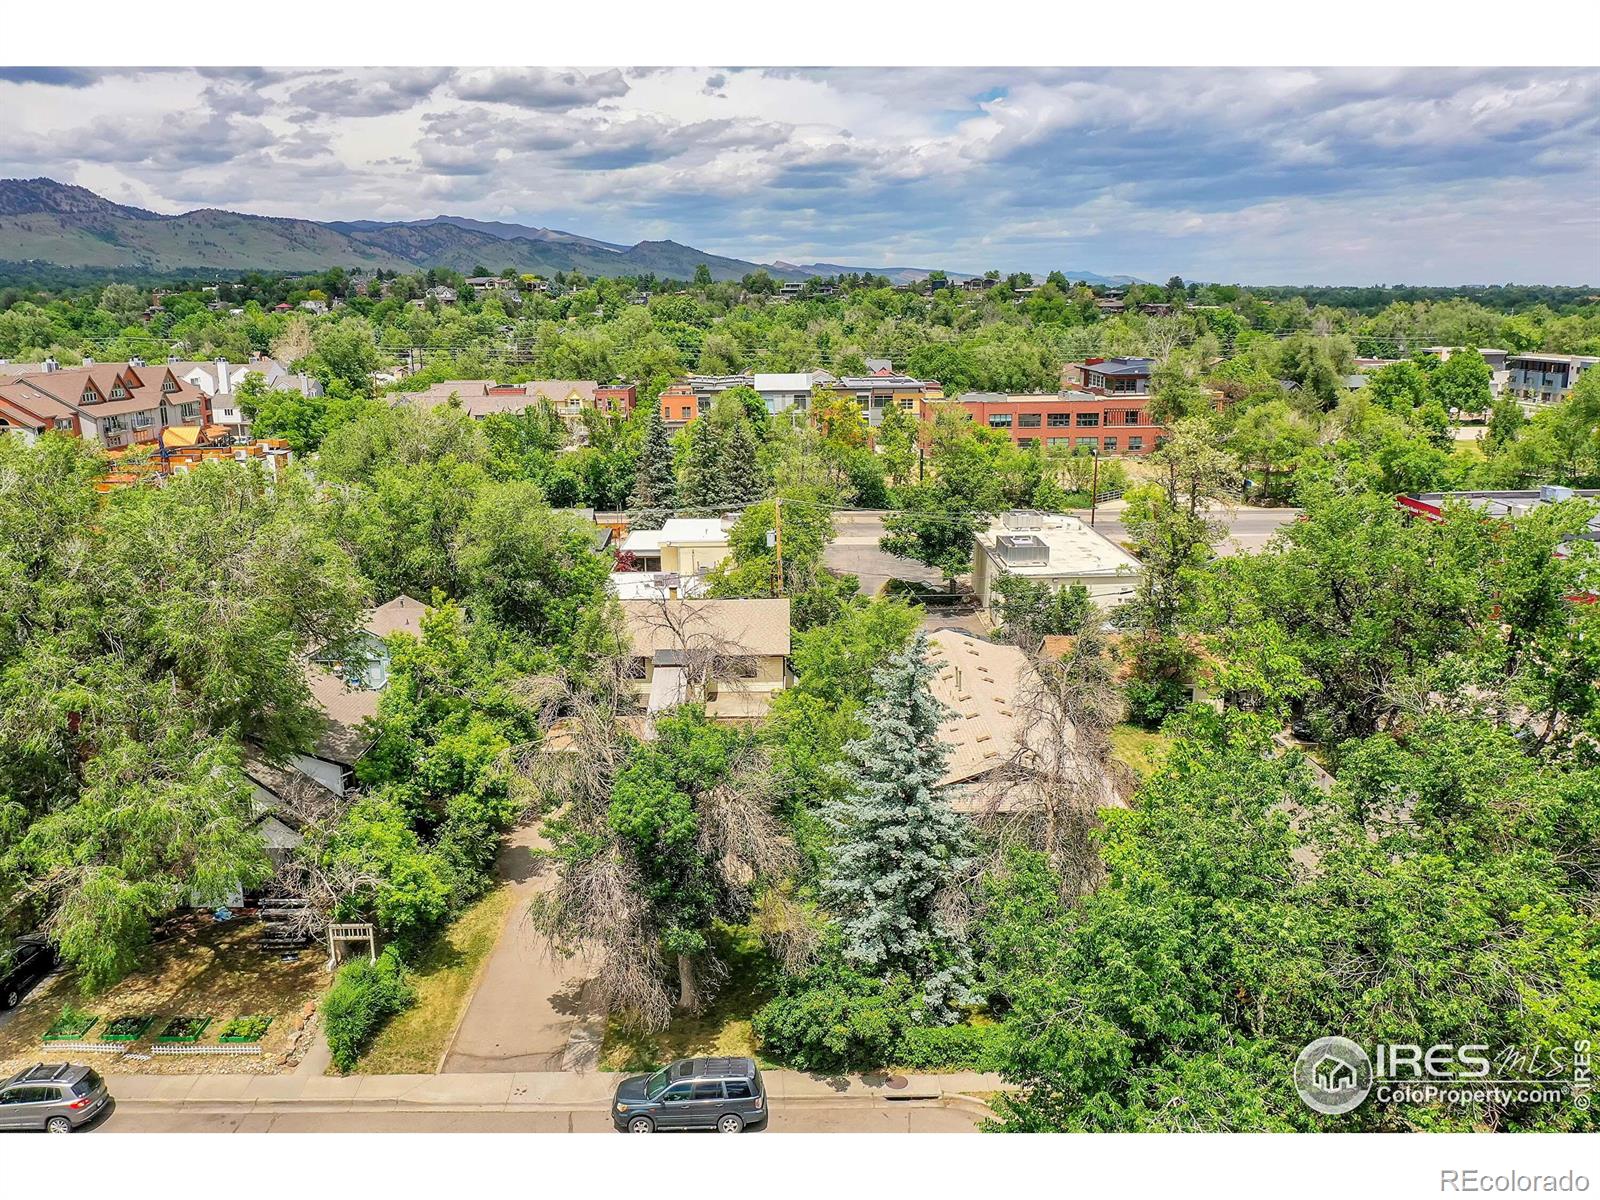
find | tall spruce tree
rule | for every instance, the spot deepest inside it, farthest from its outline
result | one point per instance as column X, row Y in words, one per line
column 706, row 486
column 900, row 845
column 655, row 487
column 746, row 484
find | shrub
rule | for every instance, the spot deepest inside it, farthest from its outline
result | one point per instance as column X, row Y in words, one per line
column 1151, row 702
column 363, row 998
column 833, row 1019
column 951, row 1047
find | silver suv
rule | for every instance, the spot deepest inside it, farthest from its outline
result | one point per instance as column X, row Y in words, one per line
column 56, row 1097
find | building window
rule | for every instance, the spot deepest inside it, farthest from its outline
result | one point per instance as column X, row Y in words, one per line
column 1109, row 444
column 908, row 404
column 1028, row 420
column 1060, row 441
column 88, row 396
column 1060, row 420
column 1027, row 443
column 168, row 385
column 1088, row 420
column 1091, row 443
column 1135, row 443
column 999, row 420
column 687, row 412
column 119, row 392
column 1132, row 417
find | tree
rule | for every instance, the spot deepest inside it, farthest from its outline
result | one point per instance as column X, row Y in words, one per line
column 706, row 482
column 942, row 516
column 668, row 838
column 123, row 302
column 1169, row 526
column 1031, row 610
column 1462, row 383
column 655, row 480
column 900, row 848
column 897, row 444
column 129, row 687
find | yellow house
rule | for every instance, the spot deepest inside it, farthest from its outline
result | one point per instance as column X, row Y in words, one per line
column 731, row 655
column 686, row 545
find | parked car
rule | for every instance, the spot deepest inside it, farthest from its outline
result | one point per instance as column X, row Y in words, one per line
column 28, row 960
column 54, row 1097
column 725, row 1094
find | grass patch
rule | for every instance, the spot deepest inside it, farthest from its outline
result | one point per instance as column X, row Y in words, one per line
column 723, row 1028
column 1140, row 749
column 443, row 976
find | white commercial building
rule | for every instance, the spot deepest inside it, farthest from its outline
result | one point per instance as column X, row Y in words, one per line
column 1056, row 549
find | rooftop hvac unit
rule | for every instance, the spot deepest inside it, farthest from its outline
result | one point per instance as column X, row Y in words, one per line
column 1554, row 493
column 1022, row 550
column 1023, row 518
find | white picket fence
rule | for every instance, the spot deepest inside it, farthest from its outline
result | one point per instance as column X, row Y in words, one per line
column 166, row 1048
column 87, row 1047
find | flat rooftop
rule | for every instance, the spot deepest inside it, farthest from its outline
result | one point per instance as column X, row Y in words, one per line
column 1070, row 546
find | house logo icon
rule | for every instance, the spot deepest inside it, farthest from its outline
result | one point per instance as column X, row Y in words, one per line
column 1333, row 1075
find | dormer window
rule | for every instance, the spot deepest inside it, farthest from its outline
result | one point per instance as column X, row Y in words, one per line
column 89, row 396
column 118, row 392
column 168, row 385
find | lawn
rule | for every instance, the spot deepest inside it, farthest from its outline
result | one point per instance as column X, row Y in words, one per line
column 414, row 1043
column 1140, row 749
column 200, row 968
column 722, row 1029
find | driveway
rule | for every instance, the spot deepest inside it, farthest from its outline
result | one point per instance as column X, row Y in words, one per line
column 531, row 1011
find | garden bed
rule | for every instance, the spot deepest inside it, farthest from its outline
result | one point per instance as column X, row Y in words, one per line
column 126, row 1029
column 70, row 1026
column 244, row 1029
column 183, row 1030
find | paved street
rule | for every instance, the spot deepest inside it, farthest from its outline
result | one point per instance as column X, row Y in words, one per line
column 1249, row 529
column 854, row 550
column 531, row 1012
column 842, row 1116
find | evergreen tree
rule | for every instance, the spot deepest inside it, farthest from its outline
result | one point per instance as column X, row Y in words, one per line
column 900, row 844
column 706, row 484
column 744, row 476
column 655, row 484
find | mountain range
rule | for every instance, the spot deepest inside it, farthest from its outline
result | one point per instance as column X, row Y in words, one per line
column 63, row 225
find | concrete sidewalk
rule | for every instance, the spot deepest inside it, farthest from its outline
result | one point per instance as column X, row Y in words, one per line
column 503, row 1092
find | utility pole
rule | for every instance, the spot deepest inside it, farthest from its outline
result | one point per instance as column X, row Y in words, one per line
column 1094, row 488
column 777, row 537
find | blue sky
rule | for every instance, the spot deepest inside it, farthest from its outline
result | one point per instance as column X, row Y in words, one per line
column 1261, row 175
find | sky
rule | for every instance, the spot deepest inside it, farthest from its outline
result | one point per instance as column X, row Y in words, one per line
column 1256, row 175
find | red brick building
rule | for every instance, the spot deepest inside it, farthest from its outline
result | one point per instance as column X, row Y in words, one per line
column 1071, row 420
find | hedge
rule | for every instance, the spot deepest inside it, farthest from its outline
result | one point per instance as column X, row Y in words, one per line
column 951, row 1048
column 365, row 995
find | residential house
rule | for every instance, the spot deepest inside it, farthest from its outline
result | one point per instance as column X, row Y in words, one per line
column 1055, row 549
column 1070, row 420
column 876, row 393
column 1110, row 305
column 444, row 295
column 994, row 741
column 1540, row 379
column 730, row 655
column 781, row 392
column 220, row 380
column 655, row 585
column 684, row 546
column 1430, row 506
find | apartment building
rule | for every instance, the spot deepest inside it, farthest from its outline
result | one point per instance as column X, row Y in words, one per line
column 685, row 546
column 794, row 392
column 117, row 404
column 1069, row 421
column 1539, row 379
